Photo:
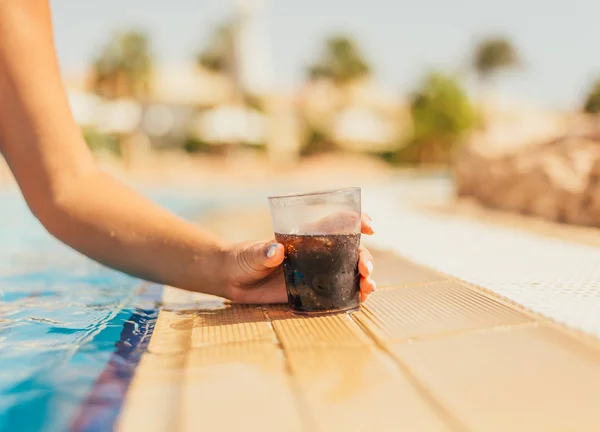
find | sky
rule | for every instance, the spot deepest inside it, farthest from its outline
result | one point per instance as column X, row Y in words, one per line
column 558, row 40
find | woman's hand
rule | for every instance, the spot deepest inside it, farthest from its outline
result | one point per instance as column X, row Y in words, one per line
column 256, row 274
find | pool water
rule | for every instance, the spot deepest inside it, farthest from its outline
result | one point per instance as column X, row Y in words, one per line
column 65, row 321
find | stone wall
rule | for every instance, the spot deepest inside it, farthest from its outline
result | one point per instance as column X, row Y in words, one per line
column 557, row 180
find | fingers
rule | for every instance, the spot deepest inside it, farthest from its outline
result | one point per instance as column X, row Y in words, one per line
column 367, row 224
column 272, row 290
column 367, row 286
column 260, row 256
column 273, row 254
column 365, row 268
column 365, row 262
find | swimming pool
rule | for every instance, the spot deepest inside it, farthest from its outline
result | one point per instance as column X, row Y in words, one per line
column 71, row 330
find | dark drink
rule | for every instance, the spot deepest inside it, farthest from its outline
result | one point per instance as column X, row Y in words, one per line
column 321, row 272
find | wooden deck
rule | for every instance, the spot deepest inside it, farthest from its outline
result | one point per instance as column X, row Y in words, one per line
column 425, row 353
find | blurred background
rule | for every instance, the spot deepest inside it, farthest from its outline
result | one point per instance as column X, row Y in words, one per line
column 248, row 90
column 444, row 112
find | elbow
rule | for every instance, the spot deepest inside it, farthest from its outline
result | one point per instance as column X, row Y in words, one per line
column 48, row 212
column 53, row 208
column 56, row 208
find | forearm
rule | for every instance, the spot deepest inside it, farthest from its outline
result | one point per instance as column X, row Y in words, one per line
column 55, row 170
column 114, row 225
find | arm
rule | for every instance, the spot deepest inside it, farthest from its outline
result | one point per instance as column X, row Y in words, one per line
column 55, row 170
column 90, row 211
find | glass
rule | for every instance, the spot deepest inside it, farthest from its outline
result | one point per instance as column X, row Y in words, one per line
column 321, row 235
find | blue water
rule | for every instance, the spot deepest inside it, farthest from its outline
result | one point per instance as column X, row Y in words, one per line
column 60, row 317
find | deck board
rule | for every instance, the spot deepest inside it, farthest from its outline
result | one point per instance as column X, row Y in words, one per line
column 427, row 352
column 432, row 310
column 528, row 378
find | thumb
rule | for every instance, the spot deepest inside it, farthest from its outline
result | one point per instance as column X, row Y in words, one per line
column 261, row 256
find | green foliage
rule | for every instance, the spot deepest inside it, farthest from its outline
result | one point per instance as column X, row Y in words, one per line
column 442, row 114
column 123, row 66
column 258, row 147
column 317, row 142
column 218, row 54
column 592, row 102
column 198, row 146
column 195, row 145
column 441, row 108
column 341, row 61
column 493, row 54
column 98, row 142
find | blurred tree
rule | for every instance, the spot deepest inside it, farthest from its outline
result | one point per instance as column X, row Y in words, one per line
column 99, row 142
column 341, row 61
column 442, row 114
column 592, row 101
column 492, row 55
column 123, row 67
column 317, row 141
column 218, row 55
column 196, row 145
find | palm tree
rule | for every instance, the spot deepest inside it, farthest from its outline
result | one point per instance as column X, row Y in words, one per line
column 122, row 70
column 123, row 67
column 592, row 103
column 492, row 55
column 341, row 61
column 218, row 55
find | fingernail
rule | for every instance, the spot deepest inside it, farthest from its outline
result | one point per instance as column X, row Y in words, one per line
column 374, row 285
column 271, row 251
column 370, row 267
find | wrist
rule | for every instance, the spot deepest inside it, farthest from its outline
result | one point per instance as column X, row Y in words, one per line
column 224, row 270
column 212, row 271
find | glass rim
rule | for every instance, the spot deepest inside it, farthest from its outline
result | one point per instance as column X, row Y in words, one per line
column 309, row 194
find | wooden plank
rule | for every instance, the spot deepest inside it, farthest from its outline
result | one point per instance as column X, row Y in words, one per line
column 358, row 389
column 345, row 381
column 432, row 309
column 392, row 270
column 231, row 324
column 337, row 331
column 238, row 386
column 207, row 363
column 154, row 397
column 526, row 378
column 172, row 333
